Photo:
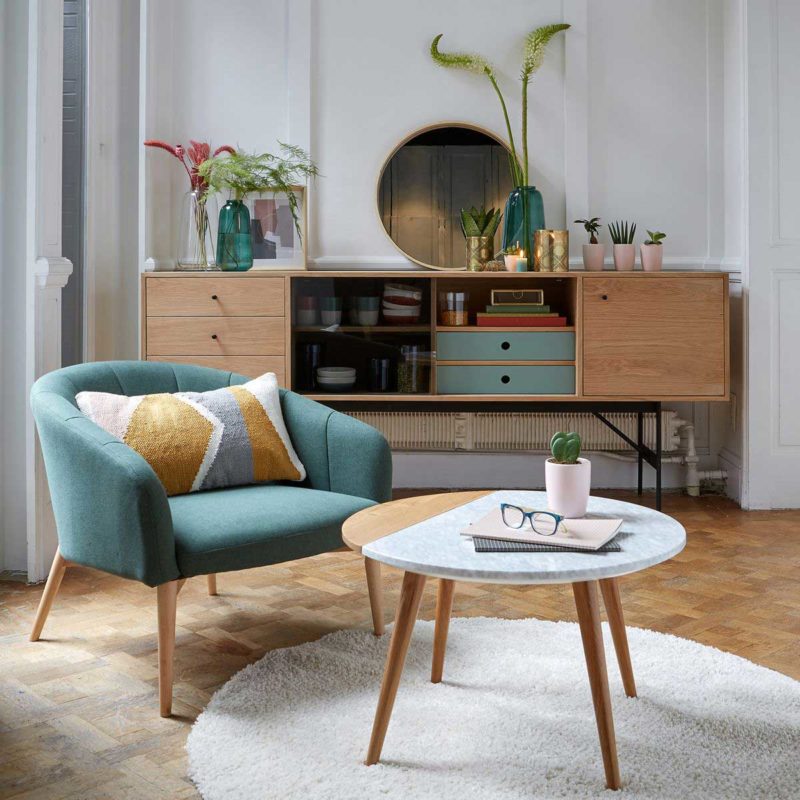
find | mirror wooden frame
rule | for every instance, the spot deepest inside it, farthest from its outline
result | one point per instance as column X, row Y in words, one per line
column 413, row 135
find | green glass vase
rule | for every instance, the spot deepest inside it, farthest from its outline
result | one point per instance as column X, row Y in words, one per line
column 234, row 245
column 524, row 214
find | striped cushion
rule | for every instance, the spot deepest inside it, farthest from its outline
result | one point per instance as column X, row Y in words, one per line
column 196, row 441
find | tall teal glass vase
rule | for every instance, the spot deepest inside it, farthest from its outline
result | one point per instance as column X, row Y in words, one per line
column 234, row 245
column 524, row 214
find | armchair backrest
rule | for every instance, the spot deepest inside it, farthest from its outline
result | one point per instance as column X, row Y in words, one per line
column 110, row 508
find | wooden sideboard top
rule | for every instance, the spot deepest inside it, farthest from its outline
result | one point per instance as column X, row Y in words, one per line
column 425, row 273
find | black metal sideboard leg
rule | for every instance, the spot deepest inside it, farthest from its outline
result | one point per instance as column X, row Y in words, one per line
column 658, row 456
column 640, row 459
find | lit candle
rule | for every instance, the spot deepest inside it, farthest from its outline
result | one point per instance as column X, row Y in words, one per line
column 522, row 262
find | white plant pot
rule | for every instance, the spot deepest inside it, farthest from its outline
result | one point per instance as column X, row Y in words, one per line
column 624, row 257
column 568, row 487
column 652, row 255
column 593, row 257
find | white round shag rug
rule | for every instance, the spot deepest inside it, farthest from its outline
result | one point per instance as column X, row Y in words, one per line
column 512, row 720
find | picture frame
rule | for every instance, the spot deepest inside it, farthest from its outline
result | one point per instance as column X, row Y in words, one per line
column 274, row 237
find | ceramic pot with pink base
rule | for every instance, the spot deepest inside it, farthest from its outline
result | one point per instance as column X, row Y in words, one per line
column 652, row 255
column 624, row 257
column 568, row 487
column 593, row 257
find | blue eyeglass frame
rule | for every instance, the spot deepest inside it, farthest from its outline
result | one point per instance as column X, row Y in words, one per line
column 529, row 516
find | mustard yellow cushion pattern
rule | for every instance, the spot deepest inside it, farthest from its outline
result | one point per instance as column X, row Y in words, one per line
column 203, row 440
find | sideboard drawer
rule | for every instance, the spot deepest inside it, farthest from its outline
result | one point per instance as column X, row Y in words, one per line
column 512, row 346
column 218, row 296
column 498, row 379
column 249, row 366
column 211, row 336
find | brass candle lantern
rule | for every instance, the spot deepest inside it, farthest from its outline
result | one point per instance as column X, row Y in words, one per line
column 550, row 251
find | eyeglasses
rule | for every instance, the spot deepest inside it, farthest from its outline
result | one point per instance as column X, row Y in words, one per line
column 544, row 523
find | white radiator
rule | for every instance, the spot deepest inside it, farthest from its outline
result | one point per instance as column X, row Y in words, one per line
column 490, row 432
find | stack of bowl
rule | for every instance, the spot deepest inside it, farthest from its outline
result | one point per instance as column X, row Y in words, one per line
column 402, row 304
column 336, row 379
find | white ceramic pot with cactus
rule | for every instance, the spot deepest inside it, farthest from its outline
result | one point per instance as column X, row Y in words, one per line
column 594, row 253
column 567, row 476
column 653, row 251
column 622, row 234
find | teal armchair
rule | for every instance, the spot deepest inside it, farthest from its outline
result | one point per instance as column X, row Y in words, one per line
column 113, row 514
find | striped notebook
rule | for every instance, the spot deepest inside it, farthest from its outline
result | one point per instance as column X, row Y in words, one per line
column 504, row 546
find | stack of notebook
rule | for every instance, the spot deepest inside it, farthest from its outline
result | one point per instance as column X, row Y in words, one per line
column 520, row 315
column 490, row 535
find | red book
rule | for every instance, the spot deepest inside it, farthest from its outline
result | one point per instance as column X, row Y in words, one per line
column 498, row 321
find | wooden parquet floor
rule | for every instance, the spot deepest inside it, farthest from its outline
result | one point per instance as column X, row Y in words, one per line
column 79, row 710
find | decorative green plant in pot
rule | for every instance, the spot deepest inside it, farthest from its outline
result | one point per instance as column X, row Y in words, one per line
column 568, row 477
column 524, row 212
column 622, row 234
column 652, row 251
column 243, row 174
column 479, row 228
column 594, row 253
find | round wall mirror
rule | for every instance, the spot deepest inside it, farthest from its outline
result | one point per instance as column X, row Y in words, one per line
column 429, row 178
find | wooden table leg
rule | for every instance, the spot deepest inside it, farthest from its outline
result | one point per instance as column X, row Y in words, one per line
column 375, row 591
column 444, row 605
column 592, row 635
column 610, row 589
column 407, row 609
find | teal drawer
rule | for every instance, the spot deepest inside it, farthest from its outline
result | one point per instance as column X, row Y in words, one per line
column 497, row 379
column 511, row 346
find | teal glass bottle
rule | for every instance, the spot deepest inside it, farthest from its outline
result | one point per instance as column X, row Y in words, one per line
column 234, row 245
column 524, row 214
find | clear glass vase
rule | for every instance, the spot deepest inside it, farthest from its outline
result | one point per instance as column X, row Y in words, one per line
column 196, row 239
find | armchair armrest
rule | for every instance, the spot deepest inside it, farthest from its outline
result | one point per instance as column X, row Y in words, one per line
column 340, row 454
column 111, row 510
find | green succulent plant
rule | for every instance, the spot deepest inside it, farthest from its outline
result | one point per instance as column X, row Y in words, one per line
column 656, row 237
column 591, row 226
column 480, row 222
column 533, row 56
column 622, row 232
column 565, row 447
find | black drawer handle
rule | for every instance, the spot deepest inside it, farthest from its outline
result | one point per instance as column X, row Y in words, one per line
column 213, row 335
column 605, row 297
column 505, row 345
column 214, row 297
column 505, row 379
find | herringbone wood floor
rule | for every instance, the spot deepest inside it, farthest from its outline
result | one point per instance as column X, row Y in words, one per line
column 79, row 710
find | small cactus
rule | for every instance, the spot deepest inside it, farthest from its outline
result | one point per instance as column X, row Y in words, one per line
column 565, row 447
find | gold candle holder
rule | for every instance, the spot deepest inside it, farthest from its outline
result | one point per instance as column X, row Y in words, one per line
column 550, row 251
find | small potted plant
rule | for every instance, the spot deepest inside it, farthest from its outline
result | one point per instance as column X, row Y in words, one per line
column 594, row 253
column 479, row 228
column 652, row 251
column 622, row 234
column 567, row 476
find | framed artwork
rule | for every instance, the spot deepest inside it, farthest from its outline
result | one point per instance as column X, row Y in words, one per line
column 274, row 237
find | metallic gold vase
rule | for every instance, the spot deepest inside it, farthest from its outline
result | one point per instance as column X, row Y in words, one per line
column 551, row 251
column 480, row 251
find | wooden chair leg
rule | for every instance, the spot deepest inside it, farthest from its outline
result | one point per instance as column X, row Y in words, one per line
column 611, row 599
column 592, row 635
column 375, row 590
column 444, row 605
column 167, row 601
column 212, row 584
column 407, row 610
column 57, row 570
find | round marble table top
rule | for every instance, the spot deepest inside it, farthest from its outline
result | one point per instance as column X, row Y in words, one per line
column 435, row 546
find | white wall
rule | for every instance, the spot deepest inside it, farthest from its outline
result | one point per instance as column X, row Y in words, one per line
column 13, row 270
column 634, row 115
